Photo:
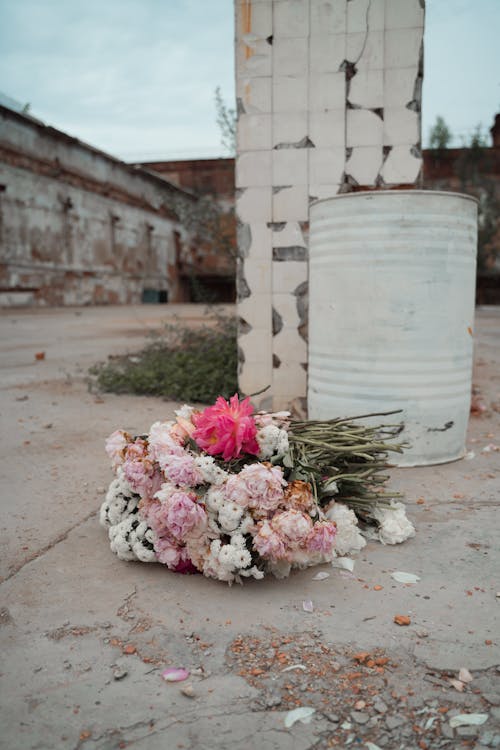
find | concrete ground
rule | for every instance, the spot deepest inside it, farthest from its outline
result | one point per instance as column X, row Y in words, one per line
column 85, row 637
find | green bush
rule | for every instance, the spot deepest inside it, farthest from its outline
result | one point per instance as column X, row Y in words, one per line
column 181, row 363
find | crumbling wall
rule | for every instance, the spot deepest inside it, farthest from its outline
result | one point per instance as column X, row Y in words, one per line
column 78, row 227
column 328, row 98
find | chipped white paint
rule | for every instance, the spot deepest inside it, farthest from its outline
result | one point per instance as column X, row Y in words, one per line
column 314, row 79
column 392, row 280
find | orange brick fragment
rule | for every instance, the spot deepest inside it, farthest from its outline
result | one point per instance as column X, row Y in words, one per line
column 129, row 649
column 488, row 643
column 256, row 671
column 362, row 656
column 402, row 620
column 381, row 661
column 378, row 588
column 85, row 734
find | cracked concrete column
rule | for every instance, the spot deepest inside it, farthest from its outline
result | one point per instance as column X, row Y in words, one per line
column 329, row 95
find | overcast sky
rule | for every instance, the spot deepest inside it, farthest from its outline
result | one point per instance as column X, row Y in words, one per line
column 137, row 78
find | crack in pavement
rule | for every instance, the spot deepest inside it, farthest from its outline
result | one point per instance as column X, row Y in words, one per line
column 53, row 543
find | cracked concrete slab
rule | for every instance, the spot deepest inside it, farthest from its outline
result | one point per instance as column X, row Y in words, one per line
column 85, row 637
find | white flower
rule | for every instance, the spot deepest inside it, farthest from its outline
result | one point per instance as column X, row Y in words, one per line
column 349, row 538
column 167, row 489
column 184, row 412
column 120, row 502
column 272, row 440
column 230, row 515
column 394, row 526
column 211, row 473
column 214, row 499
column 131, row 539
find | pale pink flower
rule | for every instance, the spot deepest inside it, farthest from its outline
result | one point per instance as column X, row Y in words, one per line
column 182, row 470
column 162, row 443
column 292, row 526
column 142, row 477
column 115, row 447
column 226, row 428
column 268, row 543
column 257, row 486
column 322, row 537
column 183, row 514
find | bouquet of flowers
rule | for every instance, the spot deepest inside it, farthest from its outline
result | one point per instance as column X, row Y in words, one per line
column 235, row 494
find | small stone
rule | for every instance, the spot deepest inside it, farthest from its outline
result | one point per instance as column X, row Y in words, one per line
column 423, row 633
column 394, row 721
column 272, row 699
column 495, row 742
column 188, row 691
column 486, row 738
column 380, row 706
column 447, row 731
column 360, row 717
column 495, row 711
column 492, row 698
column 467, row 731
column 334, row 718
column 119, row 673
column 359, row 705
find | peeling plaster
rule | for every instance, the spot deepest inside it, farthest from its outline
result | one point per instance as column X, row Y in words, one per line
column 302, row 296
column 304, row 142
column 242, row 289
column 294, row 252
column 244, row 239
column 277, row 322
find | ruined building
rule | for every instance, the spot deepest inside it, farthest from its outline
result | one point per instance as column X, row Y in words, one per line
column 79, row 227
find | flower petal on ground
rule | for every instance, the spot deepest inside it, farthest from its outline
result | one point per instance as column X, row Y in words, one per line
column 346, row 563
column 321, row 576
column 402, row 577
column 303, row 714
column 467, row 720
column 175, row 674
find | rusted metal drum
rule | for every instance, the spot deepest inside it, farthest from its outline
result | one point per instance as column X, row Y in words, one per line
column 391, row 314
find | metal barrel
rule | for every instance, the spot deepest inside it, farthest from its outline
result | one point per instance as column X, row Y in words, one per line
column 391, row 314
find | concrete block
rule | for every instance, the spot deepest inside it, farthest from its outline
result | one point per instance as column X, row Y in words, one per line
column 327, row 128
column 364, row 164
column 364, row 128
column 261, row 238
column 327, row 52
column 402, row 47
column 291, row 204
column 287, row 276
column 255, row 94
column 254, row 132
column 327, row 17
column 289, row 166
column 256, row 310
column 290, row 94
column 290, row 378
column 365, row 14
column 367, row 51
column 257, row 273
column 253, row 57
column 291, row 18
column 260, row 21
column 319, row 192
column 403, row 15
column 290, row 56
column 401, row 167
column 254, row 168
column 399, row 84
column 326, row 165
column 289, row 345
column 401, row 126
column 289, row 128
column 367, row 88
column 289, row 236
column 286, row 306
column 254, row 205
column 327, row 91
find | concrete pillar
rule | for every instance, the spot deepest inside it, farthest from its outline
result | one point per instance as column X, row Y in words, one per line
column 328, row 98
